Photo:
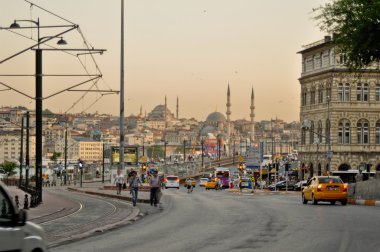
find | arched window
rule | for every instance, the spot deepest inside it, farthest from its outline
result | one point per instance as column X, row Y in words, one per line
column 347, row 93
column 304, row 97
column 377, row 132
column 312, row 96
column 377, row 92
column 362, row 134
column 359, row 92
column 365, row 92
column 303, row 136
column 340, row 92
column 320, row 94
column 320, row 131
column 344, row 132
column 311, row 135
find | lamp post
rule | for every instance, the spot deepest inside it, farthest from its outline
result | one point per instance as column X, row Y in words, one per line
column 21, row 149
column 202, row 144
column 27, row 151
column 219, row 138
column 184, row 150
column 329, row 152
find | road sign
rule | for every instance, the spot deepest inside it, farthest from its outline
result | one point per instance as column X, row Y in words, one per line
column 143, row 159
column 241, row 158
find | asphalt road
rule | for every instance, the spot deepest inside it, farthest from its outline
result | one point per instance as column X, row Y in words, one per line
column 221, row 221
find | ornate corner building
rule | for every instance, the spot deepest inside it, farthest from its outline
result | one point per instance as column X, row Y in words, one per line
column 340, row 112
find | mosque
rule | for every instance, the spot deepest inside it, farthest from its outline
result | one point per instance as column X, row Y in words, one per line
column 216, row 127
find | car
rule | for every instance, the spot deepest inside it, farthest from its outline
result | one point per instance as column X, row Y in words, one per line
column 192, row 182
column 300, row 185
column 282, row 186
column 172, row 181
column 245, row 183
column 202, row 181
column 210, row 184
column 16, row 233
column 325, row 188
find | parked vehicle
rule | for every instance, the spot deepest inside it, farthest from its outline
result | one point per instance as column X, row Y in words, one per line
column 325, row 188
column 299, row 186
column 210, row 184
column 16, row 233
column 282, row 186
column 245, row 183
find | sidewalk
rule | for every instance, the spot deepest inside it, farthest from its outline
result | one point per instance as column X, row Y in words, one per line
column 51, row 208
column 109, row 190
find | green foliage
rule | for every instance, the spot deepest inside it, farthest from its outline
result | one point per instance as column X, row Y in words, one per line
column 8, row 168
column 55, row 156
column 355, row 25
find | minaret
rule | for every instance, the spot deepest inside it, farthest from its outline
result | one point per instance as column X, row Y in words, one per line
column 141, row 114
column 177, row 109
column 166, row 109
column 228, row 111
column 252, row 115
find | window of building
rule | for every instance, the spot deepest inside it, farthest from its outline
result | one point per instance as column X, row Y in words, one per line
column 365, row 92
column 359, row 92
column 362, row 132
column 311, row 136
column 303, row 136
column 377, row 92
column 340, row 92
column 320, row 94
column 377, row 132
column 319, row 131
column 347, row 93
column 312, row 96
column 342, row 59
column 344, row 133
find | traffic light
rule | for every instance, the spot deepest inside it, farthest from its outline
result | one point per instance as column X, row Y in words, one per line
column 80, row 164
column 143, row 166
column 287, row 165
column 241, row 166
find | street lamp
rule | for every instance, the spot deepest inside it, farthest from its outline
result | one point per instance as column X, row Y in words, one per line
column 329, row 152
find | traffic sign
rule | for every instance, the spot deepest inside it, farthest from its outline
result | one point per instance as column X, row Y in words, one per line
column 143, row 159
column 241, row 158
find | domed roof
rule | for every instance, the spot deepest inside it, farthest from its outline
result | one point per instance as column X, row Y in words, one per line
column 216, row 117
column 206, row 130
column 159, row 113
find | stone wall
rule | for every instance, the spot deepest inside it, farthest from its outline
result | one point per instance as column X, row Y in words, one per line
column 365, row 190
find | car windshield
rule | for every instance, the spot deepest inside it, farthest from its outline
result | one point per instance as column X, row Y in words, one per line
column 330, row 180
column 172, row 178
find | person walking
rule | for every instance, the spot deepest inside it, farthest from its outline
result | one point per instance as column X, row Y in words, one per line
column 134, row 182
column 155, row 184
column 119, row 181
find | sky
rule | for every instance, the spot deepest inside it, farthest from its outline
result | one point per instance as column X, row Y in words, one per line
column 190, row 49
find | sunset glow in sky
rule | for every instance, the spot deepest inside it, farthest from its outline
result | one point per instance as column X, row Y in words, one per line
column 186, row 48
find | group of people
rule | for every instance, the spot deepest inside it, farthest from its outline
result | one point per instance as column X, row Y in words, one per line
column 134, row 183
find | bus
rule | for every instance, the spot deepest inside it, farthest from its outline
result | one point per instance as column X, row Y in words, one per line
column 349, row 175
column 223, row 174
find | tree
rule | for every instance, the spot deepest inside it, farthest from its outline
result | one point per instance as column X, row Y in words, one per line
column 9, row 168
column 355, row 25
column 55, row 157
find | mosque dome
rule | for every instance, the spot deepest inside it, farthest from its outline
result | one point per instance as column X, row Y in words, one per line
column 215, row 117
column 158, row 113
column 206, row 130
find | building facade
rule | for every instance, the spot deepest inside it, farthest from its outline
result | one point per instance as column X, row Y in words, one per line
column 339, row 112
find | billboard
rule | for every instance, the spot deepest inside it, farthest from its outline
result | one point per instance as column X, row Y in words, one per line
column 130, row 155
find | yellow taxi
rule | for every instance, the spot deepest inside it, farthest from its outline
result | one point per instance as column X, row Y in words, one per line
column 325, row 188
column 210, row 184
column 192, row 182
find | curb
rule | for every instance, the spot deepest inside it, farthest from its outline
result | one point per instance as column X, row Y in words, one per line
column 364, row 202
column 126, row 198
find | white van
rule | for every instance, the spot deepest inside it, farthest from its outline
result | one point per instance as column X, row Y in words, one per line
column 172, row 181
column 17, row 234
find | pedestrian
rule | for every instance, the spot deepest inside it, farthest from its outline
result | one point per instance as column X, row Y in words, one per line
column 134, row 182
column 119, row 181
column 154, row 183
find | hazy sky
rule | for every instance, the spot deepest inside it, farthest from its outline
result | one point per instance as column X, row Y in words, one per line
column 186, row 48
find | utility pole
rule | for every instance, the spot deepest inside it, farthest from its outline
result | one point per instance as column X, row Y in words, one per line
column 202, row 144
column 65, row 177
column 103, row 163
column 184, row 150
column 21, row 149
column 121, row 144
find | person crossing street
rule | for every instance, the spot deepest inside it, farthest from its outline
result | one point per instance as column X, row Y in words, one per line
column 134, row 182
column 155, row 184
